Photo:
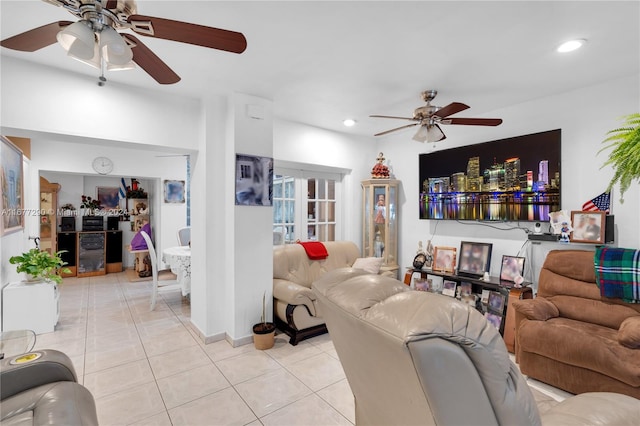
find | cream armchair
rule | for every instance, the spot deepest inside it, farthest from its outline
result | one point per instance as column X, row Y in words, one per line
column 294, row 304
column 418, row 358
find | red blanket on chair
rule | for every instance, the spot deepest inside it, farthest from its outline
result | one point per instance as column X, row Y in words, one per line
column 315, row 250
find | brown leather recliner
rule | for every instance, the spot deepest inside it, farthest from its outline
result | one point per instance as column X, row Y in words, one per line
column 571, row 337
column 419, row 358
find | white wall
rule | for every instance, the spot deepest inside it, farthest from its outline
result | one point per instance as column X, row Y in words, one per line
column 309, row 147
column 61, row 102
column 584, row 116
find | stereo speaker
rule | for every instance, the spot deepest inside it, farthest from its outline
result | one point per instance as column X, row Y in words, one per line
column 112, row 223
column 609, row 229
column 67, row 224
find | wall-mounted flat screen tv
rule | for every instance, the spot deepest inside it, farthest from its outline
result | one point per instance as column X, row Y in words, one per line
column 512, row 179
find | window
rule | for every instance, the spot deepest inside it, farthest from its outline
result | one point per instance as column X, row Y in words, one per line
column 305, row 206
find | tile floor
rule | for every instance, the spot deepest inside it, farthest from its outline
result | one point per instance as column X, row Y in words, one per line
column 149, row 368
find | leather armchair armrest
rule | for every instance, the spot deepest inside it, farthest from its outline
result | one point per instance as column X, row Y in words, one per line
column 629, row 333
column 538, row 309
column 52, row 366
column 294, row 294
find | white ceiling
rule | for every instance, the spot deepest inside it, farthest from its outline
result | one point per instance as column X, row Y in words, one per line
column 323, row 61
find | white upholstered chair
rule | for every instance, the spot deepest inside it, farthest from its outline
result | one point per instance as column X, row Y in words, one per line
column 158, row 285
column 184, row 236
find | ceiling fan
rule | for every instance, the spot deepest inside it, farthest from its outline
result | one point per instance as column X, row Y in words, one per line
column 95, row 39
column 430, row 116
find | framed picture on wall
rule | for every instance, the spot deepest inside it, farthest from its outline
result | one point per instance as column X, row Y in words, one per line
column 108, row 196
column 174, row 191
column 588, row 227
column 254, row 180
column 12, row 183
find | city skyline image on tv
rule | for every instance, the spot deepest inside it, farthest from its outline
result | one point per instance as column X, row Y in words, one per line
column 512, row 179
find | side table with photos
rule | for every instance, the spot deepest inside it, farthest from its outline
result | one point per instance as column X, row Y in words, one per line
column 492, row 297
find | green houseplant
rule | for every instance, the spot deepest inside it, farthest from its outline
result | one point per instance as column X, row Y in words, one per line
column 625, row 156
column 41, row 265
column 264, row 332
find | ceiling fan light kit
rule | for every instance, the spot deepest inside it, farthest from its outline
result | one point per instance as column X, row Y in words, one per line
column 95, row 39
column 428, row 117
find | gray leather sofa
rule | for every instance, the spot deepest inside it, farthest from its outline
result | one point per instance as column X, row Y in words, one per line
column 419, row 358
column 44, row 391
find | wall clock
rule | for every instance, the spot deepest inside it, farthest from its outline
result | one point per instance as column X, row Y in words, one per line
column 102, row 165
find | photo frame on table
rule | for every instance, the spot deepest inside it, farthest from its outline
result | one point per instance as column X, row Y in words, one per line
column 588, row 227
column 174, row 191
column 475, row 258
column 109, row 197
column 444, row 259
column 12, row 184
column 449, row 288
column 512, row 269
column 496, row 302
column 495, row 320
column 422, row 284
column 465, row 289
column 254, row 180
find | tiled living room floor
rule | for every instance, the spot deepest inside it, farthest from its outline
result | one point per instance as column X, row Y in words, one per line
column 149, row 368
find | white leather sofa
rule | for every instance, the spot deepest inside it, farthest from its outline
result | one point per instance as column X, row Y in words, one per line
column 419, row 358
column 294, row 304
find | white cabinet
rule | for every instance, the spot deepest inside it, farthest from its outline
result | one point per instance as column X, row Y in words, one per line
column 30, row 306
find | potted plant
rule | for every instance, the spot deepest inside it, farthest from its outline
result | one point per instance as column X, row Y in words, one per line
column 264, row 332
column 90, row 204
column 625, row 156
column 41, row 265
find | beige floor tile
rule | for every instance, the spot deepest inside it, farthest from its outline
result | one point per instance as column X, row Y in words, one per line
column 307, row 411
column 222, row 350
column 161, row 419
column 175, row 362
column 191, row 384
column 221, row 408
column 318, row 371
column 113, row 340
column 340, row 397
column 287, row 354
column 118, row 379
column 129, row 406
column 247, row 366
column 78, row 365
column 103, row 359
column 71, row 347
column 168, row 342
column 269, row 392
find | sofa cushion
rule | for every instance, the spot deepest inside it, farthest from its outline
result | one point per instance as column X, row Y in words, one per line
column 593, row 311
column 538, row 309
column 370, row 264
column 291, row 263
column 581, row 344
column 629, row 333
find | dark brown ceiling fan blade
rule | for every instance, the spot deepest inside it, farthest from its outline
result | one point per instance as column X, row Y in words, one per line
column 451, row 109
column 391, row 116
column 185, row 32
column 35, row 39
column 152, row 64
column 473, row 121
column 397, row 128
column 111, row 4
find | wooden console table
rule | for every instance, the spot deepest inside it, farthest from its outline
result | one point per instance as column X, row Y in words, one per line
column 511, row 294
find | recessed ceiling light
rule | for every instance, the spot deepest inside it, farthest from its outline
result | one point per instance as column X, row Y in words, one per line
column 349, row 122
column 571, row 45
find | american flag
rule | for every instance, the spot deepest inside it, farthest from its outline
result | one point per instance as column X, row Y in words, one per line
column 599, row 203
